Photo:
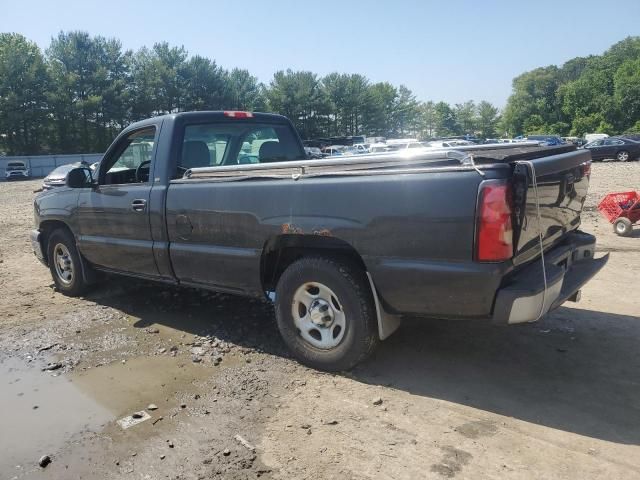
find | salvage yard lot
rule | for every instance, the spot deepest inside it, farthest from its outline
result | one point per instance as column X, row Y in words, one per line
column 554, row 399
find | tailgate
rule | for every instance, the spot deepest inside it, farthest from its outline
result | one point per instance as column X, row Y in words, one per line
column 562, row 182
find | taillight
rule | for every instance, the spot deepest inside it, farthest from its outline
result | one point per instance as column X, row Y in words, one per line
column 237, row 114
column 494, row 236
column 586, row 169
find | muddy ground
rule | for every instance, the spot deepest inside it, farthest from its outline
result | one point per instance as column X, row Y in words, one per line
column 556, row 399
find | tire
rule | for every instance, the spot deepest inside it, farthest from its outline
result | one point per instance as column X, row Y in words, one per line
column 335, row 338
column 65, row 263
column 623, row 156
column 623, row 227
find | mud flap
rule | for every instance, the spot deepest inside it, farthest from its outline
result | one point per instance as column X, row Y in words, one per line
column 387, row 324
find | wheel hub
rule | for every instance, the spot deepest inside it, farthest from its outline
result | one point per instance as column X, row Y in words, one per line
column 321, row 313
column 63, row 264
column 318, row 315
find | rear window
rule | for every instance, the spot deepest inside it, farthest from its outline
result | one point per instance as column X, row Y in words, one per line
column 222, row 144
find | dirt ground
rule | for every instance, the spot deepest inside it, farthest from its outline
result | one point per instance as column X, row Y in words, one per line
column 556, row 399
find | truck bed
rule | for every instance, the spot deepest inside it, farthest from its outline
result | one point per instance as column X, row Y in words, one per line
column 393, row 162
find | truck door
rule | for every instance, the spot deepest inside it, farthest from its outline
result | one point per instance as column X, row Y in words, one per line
column 113, row 217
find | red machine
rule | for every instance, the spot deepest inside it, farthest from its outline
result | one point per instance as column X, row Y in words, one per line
column 622, row 210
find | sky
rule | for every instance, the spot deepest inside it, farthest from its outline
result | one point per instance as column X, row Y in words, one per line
column 453, row 50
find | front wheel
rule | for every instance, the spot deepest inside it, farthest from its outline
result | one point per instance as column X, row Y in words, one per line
column 65, row 263
column 622, row 156
column 325, row 313
column 623, row 227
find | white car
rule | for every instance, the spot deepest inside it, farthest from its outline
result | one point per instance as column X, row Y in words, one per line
column 591, row 137
column 361, row 148
column 379, row 148
column 449, row 143
column 16, row 169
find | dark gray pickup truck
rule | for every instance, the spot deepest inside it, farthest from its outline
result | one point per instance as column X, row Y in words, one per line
column 343, row 247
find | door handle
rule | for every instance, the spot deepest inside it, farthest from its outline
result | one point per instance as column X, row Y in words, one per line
column 139, row 205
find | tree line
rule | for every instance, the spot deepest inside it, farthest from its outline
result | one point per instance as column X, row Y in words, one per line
column 82, row 90
column 598, row 93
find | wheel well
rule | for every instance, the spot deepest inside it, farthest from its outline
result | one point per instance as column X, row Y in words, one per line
column 46, row 228
column 281, row 251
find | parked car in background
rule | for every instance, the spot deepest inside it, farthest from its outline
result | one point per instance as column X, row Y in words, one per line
column 590, row 137
column 314, row 152
column 622, row 149
column 380, row 148
column 631, row 136
column 58, row 177
column 398, row 146
column 449, row 143
column 400, row 141
column 333, row 150
column 574, row 140
column 362, row 148
column 17, row 169
column 547, row 140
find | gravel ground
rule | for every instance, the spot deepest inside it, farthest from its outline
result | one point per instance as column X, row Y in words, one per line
column 555, row 399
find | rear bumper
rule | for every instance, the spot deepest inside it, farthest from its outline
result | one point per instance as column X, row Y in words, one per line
column 36, row 245
column 570, row 265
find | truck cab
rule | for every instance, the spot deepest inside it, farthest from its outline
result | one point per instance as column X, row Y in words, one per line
column 343, row 246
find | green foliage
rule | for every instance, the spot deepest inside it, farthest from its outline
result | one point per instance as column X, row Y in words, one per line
column 635, row 128
column 626, row 91
column 585, row 95
column 85, row 89
column 445, row 120
column 23, row 83
column 487, row 121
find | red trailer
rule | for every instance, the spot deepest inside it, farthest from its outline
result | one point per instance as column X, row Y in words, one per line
column 622, row 209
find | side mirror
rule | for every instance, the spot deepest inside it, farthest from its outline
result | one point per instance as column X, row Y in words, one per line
column 79, row 177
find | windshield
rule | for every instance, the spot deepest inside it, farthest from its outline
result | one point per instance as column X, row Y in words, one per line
column 16, row 166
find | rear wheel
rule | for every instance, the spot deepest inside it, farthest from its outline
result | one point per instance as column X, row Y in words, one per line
column 65, row 263
column 325, row 313
column 623, row 227
column 622, row 156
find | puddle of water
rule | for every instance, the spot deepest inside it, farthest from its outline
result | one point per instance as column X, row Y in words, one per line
column 124, row 388
column 85, row 401
column 28, row 433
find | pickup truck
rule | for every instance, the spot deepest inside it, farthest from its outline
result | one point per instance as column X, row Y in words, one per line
column 344, row 247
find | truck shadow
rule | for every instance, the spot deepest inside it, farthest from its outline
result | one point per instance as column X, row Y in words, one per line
column 576, row 370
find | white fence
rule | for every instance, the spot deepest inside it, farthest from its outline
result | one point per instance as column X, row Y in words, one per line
column 42, row 165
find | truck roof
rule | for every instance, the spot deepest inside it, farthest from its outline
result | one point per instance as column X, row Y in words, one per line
column 215, row 115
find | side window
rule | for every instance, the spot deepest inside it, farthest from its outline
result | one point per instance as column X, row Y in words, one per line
column 132, row 160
